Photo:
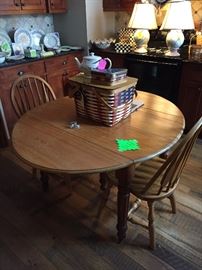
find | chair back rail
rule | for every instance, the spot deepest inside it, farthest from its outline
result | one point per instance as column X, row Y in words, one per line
column 172, row 168
column 30, row 91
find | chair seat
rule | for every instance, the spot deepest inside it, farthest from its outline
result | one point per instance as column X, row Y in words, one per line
column 142, row 176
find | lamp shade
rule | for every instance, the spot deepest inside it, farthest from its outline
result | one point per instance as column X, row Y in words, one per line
column 143, row 17
column 178, row 16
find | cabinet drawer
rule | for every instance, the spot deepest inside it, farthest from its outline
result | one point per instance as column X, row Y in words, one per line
column 56, row 64
column 65, row 64
column 12, row 73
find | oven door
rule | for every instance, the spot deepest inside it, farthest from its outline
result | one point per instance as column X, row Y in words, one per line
column 158, row 77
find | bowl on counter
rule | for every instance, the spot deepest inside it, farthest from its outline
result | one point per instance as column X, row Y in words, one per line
column 104, row 43
column 2, row 57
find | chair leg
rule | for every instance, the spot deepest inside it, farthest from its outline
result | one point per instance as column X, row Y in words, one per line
column 151, row 224
column 173, row 203
column 103, row 181
column 44, row 180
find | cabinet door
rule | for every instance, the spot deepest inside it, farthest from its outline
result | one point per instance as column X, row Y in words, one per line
column 7, row 78
column 33, row 6
column 9, row 7
column 128, row 4
column 59, row 69
column 22, row 6
column 111, row 5
column 57, row 6
column 190, row 93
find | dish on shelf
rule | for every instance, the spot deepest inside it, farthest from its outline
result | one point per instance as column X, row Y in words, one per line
column 73, row 47
column 37, row 36
column 52, row 40
column 64, row 49
column 6, row 48
column 4, row 37
column 23, row 36
column 15, row 57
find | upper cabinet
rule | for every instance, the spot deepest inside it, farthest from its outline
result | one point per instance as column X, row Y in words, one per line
column 111, row 5
column 22, row 6
column 57, row 6
column 118, row 5
column 16, row 7
column 127, row 5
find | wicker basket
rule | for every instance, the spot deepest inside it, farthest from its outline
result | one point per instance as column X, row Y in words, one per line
column 105, row 104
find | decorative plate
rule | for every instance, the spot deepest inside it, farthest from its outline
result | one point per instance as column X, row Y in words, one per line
column 6, row 47
column 37, row 36
column 52, row 40
column 23, row 36
column 15, row 57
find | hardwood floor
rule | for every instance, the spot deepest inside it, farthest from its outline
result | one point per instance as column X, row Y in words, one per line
column 65, row 229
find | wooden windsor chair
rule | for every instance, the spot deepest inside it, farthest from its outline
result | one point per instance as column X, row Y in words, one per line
column 158, row 178
column 28, row 92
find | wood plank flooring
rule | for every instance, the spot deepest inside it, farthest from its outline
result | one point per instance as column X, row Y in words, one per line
column 76, row 229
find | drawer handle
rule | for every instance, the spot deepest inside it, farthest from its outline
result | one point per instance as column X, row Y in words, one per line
column 65, row 62
column 17, row 5
column 22, row 4
column 52, row 4
column 20, row 73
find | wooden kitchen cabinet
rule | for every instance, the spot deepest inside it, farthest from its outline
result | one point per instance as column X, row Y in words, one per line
column 111, row 5
column 128, row 5
column 7, row 77
column 9, row 7
column 190, row 93
column 59, row 69
column 118, row 5
column 57, row 6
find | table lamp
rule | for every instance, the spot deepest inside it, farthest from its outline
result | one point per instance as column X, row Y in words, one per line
column 143, row 18
column 178, row 17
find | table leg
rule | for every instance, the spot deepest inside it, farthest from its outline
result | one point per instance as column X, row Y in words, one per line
column 124, row 176
column 44, row 180
column 103, row 181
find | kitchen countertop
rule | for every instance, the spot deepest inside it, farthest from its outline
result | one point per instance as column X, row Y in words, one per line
column 155, row 54
column 28, row 60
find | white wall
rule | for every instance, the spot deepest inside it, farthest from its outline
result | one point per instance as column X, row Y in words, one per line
column 72, row 25
column 99, row 24
column 84, row 21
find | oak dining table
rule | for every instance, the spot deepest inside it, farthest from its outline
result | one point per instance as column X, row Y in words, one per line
column 43, row 139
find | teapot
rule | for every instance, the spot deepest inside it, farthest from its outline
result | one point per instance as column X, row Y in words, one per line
column 92, row 61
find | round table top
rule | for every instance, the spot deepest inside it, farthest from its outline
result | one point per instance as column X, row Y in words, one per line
column 43, row 139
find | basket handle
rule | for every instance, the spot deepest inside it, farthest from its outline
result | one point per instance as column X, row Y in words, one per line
column 105, row 103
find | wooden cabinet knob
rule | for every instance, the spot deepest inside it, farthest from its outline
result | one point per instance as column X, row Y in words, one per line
column 65, row 62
